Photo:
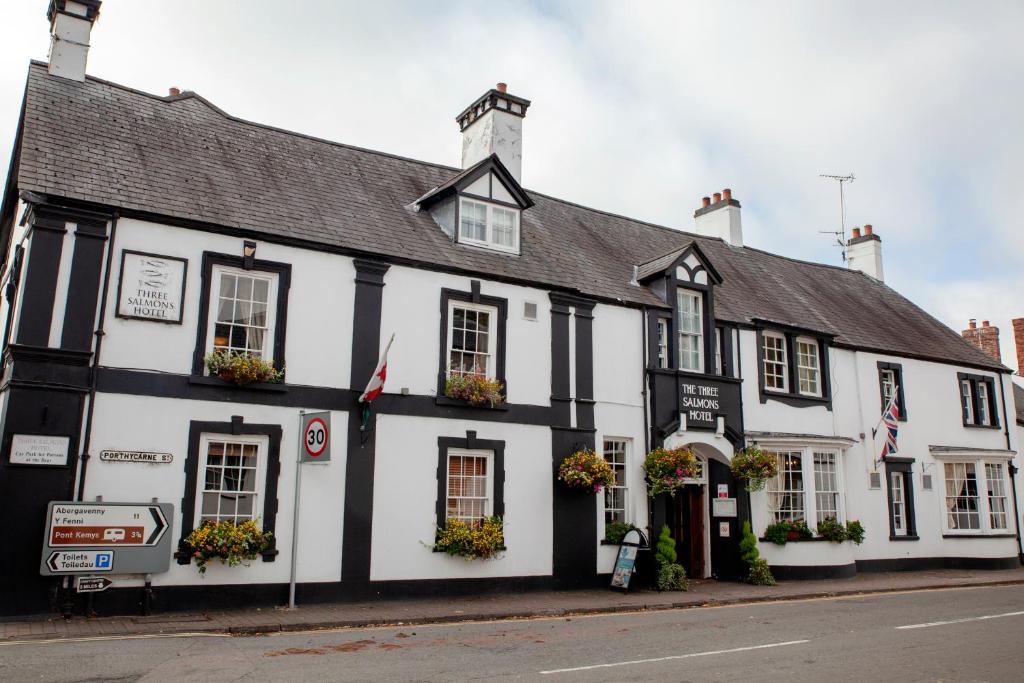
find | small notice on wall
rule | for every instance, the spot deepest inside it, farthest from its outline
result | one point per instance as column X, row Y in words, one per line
column 31, row 449
column 152, row 287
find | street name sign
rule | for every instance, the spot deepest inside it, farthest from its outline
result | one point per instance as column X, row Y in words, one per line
column 120, row 538
column 136, row 456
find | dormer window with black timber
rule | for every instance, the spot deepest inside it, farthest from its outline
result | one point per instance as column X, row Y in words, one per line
column 686, row 339
column 480, row 207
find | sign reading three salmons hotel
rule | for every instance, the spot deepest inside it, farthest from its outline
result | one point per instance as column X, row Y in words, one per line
column 152, row 287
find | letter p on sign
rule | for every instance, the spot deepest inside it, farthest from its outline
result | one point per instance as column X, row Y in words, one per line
column 315, row 437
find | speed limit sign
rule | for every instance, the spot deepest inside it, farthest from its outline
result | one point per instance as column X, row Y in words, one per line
column 316, row 437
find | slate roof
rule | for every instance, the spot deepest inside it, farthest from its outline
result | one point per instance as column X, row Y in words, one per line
column 659, row 264
column 182, row 157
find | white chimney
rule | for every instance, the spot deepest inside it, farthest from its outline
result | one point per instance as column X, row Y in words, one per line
column 864, row 253
column 494, row 125
column 70, row 25
column 720, row 218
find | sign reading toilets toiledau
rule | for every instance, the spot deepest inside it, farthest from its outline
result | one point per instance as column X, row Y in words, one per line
column 152, row 287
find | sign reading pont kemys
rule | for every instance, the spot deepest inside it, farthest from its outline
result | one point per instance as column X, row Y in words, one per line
column 92, row 524
column 316, row 437
column 116, row 538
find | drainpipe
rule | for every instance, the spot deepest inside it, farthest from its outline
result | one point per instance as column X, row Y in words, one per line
column 93, row 371
column 643, row 384
column 1013, row 473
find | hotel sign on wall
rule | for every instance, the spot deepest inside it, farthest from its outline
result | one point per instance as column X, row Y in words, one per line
column 152, row 287
column 703, row 401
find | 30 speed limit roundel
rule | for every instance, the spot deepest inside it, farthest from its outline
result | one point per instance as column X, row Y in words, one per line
column 316, row 437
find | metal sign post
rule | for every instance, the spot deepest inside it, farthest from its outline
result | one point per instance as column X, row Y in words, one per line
column 314, row 446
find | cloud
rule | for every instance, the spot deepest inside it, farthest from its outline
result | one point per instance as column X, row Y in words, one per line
column 642, row 108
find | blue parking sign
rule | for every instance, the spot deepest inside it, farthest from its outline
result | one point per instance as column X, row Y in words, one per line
column 104, row 560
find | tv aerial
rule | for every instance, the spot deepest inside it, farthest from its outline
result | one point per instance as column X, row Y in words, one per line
column 839, row 234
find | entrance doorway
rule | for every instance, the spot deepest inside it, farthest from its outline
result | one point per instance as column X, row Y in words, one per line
column 687, row 525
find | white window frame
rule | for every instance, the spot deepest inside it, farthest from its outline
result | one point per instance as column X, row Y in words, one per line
column 489, row 242
column 782, row 485
column 810, row 490
column 698, row 334
column 622, row 483
column 267, row 352
column 888, row 384
column 966, row 401
column 262, row 443
column 997, row 493
column 663, row 343
column 984, row 407
column 489, row 474
column 801, row 367
column 821, row 490
column 492, row 335
column 784, row 362
column 899, row 503
column 980, row 463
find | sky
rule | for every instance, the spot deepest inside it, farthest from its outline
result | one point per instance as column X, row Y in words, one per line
column 642, row 108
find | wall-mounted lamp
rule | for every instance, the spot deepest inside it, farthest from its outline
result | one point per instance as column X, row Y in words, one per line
column 248, row 254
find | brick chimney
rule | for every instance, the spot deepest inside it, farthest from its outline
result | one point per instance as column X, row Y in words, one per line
column 493, row 124
column 70, row 25
column 1018, row 341
column 719, row 216
column 985, row 337
column 864, row 252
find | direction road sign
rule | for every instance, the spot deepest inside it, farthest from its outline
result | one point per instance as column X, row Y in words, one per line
column 92, row 524
column 119, row 538
column 74, row 561
column 92, row 584
column 316, row 437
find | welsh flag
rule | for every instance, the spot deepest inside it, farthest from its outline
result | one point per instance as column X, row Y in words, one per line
column 375, row 386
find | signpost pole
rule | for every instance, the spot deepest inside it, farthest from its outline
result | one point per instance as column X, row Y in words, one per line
column 295, row 514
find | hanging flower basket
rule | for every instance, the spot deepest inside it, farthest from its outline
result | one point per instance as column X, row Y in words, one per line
column 668, row 470
column 586, row 470
column 242, row 368
column 476, row 390
column 231, row 543
column 754, row 466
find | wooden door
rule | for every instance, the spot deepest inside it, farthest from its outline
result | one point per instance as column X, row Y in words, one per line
column 688, row 529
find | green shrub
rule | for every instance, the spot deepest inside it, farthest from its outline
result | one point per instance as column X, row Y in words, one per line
column 614, row 532
column 672, row 577
column 778, row 533
column 855, row 531
column 748, row 545
column 831, row 530
column 760, row 574
column 665, row 551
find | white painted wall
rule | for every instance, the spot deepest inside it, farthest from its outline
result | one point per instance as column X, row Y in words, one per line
column 162, row 425
column 319, row 344
column 411, row 310
column 405, row 497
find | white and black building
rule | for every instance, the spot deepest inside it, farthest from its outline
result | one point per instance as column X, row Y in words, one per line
column 605, row 332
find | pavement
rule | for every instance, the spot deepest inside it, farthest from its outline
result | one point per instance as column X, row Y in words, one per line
column 702, row 593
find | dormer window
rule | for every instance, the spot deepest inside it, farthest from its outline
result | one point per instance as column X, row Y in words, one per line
column 691, row 331
column 488, row 225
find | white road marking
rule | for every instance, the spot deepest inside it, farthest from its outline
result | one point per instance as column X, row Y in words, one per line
column 959, row 621
column 674, row 657
column 89, row 639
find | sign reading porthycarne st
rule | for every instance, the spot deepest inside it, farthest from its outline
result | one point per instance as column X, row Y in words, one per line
column 152, row 287
column 120, row 538
column 136, row 456
column 33, row 449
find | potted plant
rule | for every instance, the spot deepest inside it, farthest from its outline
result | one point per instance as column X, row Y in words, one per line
column 855, row 531
column 782, row 532
column 242, row 368
column 671, row 575
column 758, row 571
column 476, row 390
column 668, row 470
column 832, row 530
column 754, row 466
column 586, row 470
column 231, row 543
column 483, row 539
column 614, row 532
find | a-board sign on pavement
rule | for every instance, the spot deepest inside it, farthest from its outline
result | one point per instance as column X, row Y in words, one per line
column 316, row 437
column 120, row 538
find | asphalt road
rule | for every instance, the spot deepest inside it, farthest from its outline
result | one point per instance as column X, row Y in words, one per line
column 972, row 634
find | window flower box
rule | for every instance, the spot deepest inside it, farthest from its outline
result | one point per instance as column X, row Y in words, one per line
column 242, row 368
column 233, row 544
column 476, row 390
column 483, row 539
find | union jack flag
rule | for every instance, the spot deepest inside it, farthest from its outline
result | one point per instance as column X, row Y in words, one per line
column 891, row 420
